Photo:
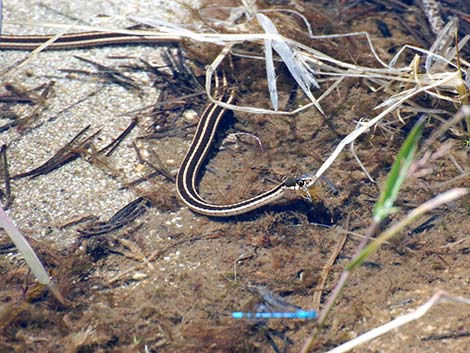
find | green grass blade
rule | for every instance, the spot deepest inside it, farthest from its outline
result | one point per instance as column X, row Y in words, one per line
column 435, row 202
column 384, row 206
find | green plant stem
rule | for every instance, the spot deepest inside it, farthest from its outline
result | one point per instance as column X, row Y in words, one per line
column 386, row 235
column 363, row 252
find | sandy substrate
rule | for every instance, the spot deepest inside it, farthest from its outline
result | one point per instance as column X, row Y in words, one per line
column 76, row 190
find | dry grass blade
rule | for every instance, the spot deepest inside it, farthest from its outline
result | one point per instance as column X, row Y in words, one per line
column 367, row 125
column 111, row 147
column 29, row 255
column 66, row 154
column 114, row 75
column 438, row 298
column 122, row 217
column 299, row 71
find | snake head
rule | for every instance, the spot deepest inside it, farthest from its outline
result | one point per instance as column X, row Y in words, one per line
column 303, row 184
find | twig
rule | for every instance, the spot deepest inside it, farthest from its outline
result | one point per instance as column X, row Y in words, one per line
column 327, row 267
column 356, row 157
column 337, row 291
column 6, row 176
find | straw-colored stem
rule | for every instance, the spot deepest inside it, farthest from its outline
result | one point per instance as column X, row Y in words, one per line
column 337, row 291
column 28, row 254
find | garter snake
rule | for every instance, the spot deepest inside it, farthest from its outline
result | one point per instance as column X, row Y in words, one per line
column 186, row 181
column 80, row 40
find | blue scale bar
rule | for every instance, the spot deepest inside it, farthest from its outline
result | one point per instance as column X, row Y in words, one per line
column 299, row 314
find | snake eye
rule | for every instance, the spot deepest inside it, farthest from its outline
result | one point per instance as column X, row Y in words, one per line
column 301, row 183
